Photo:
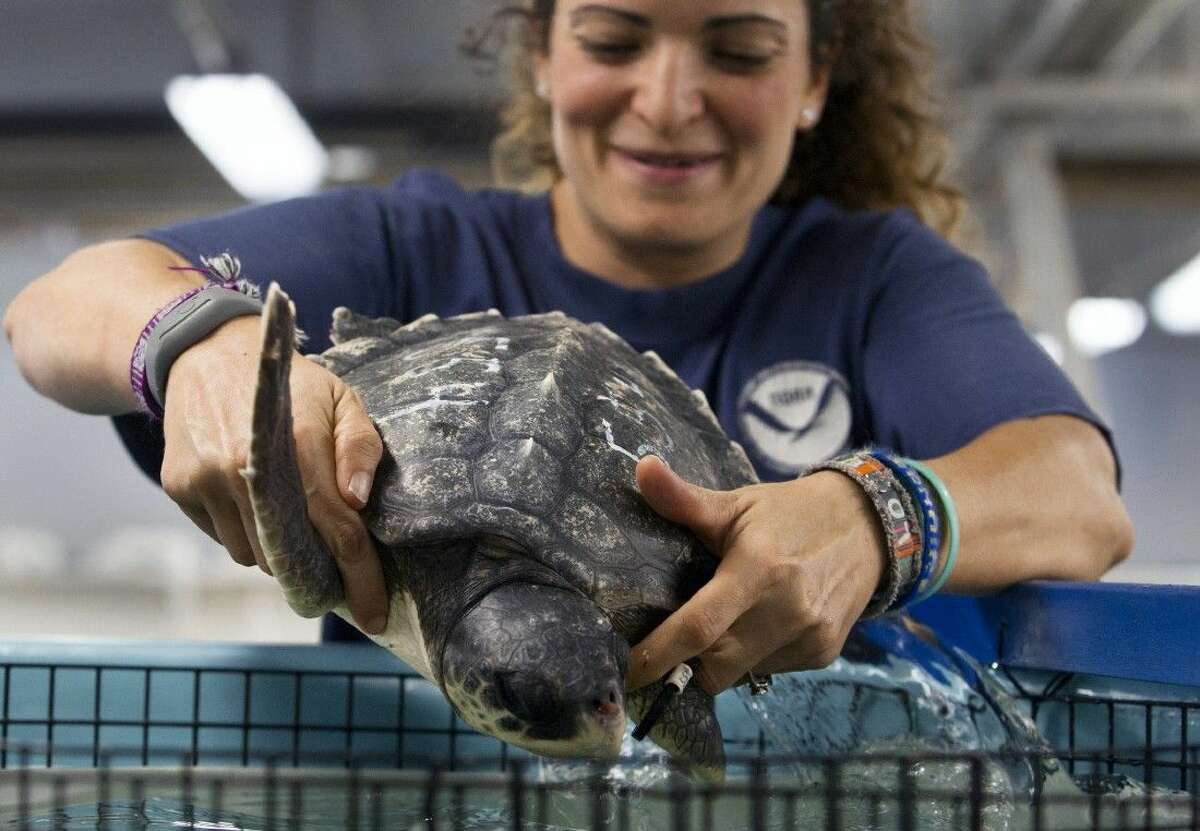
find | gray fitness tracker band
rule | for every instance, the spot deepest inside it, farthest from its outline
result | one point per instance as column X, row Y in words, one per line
column 189, row 322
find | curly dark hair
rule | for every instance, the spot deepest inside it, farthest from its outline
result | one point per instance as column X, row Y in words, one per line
column 878, row 144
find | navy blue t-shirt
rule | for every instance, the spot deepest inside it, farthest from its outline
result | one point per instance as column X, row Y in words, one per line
column 835, row 329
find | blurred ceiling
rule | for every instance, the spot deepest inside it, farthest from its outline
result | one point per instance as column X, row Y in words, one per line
column 1075, row 124
column 999, row 57
column 981, row 42
column 59, row 57
column 1109, row 79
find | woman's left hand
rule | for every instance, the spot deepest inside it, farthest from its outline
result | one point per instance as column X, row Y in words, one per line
column 799, row 561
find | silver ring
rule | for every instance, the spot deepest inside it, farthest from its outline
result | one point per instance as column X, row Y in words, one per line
column 759, row 684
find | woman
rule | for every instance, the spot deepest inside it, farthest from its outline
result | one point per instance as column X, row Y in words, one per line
column 725, row 178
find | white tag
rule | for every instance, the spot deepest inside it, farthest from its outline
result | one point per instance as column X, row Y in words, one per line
column 680, row 676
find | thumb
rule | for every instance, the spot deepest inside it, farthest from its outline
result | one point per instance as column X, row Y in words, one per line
column 357, row 448
column 706, row 512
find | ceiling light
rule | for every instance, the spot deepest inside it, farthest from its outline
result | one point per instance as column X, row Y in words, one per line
column 1175, row 302
column 251, row 132
column 1102, row 324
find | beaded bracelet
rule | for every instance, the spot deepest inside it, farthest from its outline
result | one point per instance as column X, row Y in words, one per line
column 901, row 528
column 950, row 512
column 931, row 538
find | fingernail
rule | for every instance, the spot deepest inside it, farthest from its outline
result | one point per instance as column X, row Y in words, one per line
column 377, row 625
column 360, row 486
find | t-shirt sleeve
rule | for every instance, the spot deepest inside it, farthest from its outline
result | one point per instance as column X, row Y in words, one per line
column 332, row 249
column 945, row 359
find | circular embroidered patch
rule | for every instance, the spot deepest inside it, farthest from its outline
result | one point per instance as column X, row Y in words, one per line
column 795, row 414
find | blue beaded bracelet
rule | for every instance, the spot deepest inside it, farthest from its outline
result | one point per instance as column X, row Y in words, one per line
column 950, row 512
column 931, row 539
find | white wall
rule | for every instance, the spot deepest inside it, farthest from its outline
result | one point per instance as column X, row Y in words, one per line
column 88, row 545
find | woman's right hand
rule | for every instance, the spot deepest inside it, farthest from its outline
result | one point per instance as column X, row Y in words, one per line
column 206, row 423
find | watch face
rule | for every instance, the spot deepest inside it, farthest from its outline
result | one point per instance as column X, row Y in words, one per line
column 795, row 414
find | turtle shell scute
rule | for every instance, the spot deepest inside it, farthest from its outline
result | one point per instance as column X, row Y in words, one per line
column 521, row 472
column 529, row 429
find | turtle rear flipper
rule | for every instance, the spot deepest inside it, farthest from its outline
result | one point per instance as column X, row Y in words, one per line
column 297, row 555
column 688, row 728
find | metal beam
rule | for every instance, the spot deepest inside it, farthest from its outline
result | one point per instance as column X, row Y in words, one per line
column 986, row 108
column 1141, row 37
column 1192, row 70
column 1045, row 33
column 1047, row 274
column 1064, row 96
column 1131, row 141
column 209, row 49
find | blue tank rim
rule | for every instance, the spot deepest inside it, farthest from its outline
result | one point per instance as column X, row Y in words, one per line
column 1118, row 630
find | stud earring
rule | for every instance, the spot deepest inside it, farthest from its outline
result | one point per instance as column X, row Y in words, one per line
column 809, row 115
column 542, row 89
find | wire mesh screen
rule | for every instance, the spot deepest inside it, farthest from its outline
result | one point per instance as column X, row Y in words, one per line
column 881, row 791
column 121, row 746
column 157, row 714
column 1096, row 734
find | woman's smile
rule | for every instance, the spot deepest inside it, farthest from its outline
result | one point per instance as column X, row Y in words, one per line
column 666, row 169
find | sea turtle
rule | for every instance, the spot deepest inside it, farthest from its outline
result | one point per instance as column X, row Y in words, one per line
column 521, row 560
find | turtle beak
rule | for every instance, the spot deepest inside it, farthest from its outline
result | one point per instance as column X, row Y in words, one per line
column 563, row 720
column 540, row 667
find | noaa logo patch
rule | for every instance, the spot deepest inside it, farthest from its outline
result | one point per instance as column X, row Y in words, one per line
column 795, row 414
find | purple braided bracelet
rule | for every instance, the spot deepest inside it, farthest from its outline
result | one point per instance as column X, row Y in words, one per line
column 137, row 363
column 223, row 271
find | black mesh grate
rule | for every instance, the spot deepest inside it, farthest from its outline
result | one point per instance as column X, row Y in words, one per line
column 155, row 714
column 882, row 791
column 1153, row 740
column 367, row 742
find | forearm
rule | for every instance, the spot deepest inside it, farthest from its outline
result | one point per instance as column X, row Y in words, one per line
column 73, row 329
column 799, row 560
column 1036, row 499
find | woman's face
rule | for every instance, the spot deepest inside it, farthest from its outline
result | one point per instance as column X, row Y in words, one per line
column 673, row 121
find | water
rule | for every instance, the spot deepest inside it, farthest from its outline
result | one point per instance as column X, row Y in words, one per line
column 904, row 702
column 894, row 710
column 244, row 807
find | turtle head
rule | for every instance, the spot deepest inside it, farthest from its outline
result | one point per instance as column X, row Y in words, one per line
column 540, row 667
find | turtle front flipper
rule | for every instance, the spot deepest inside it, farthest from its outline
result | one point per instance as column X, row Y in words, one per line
column 688, row 728
column 295, row 552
